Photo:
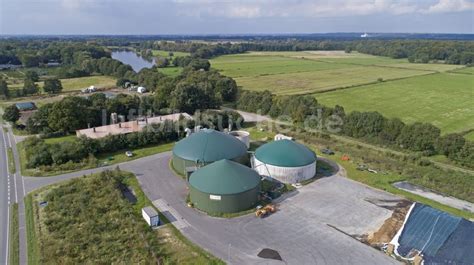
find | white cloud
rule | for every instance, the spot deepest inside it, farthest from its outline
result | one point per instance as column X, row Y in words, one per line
column 445, row 6
column 316, row 8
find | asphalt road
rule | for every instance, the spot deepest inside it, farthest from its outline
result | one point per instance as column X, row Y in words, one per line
column 19, row 190
column 5, row 197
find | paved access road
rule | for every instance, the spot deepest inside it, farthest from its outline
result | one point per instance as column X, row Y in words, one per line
column 446, row 200
column 4, row 199
column 302, row 231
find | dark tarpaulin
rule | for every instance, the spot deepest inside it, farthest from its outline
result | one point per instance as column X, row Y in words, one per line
column 426, row 230
column 458, row 249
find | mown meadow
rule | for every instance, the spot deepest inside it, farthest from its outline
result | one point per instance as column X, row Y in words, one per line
column 437, row 93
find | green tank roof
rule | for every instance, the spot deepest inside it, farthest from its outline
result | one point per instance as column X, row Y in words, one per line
column 285, row 153
column 208, row 146
column 224, row 177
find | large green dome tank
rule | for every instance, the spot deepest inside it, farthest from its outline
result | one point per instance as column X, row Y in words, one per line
column 207, row 146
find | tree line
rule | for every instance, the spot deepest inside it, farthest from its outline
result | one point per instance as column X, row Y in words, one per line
column 84, row 150
column 190, row 91
column 38, row 52
column 371, row 127
column 35, row 53
column 41, row 154
column 418, row 51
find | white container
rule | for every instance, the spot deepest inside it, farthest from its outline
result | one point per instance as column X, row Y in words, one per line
column 151, row 216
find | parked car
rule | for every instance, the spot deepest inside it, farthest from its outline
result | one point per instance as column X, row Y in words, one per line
column 129, row 153
column 327, row 151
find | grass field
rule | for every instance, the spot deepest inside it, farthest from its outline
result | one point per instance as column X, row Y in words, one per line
column 14, row 250
column 469, row 136
column 465, row 70
column 119, row 156
column 119, row 234
column 11, row 161
column 443, row 99
column 325, row 80
column 166, row 53
column 316, row 71
column 76, row 84
column 171, row 71
column 251, row 65
column 102, row 159
column 60, row 139
column 31, row 236
column 410, row 91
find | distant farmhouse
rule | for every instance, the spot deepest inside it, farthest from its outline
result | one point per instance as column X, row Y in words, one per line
column 26, row 110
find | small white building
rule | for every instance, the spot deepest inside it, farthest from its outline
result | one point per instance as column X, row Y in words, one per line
column 151, row 216
column 141, row 89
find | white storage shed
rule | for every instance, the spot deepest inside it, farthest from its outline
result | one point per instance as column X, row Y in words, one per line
column 151, row 216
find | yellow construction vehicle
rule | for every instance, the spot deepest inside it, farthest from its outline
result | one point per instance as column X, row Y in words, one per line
column 264, row 211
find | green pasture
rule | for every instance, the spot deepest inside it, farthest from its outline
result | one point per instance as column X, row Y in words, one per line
column 436, row 92
column 171, row 71
column 324, row 80
column 241, row 66
column 443, row 99
column 469, row 136
column 465, row 70
column 76, row 84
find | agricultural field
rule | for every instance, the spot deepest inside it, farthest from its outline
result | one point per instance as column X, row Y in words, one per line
column 394, row 87
column 465, row 70
column 469, row 136
column 316, row 71
column 443, row 99
column 324, row 80
column 254, row 66
column 76, row 84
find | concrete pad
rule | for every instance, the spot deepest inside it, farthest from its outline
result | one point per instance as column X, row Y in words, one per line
column 299, row 231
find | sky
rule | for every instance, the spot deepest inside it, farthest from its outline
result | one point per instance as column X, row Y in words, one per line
column 234, row 17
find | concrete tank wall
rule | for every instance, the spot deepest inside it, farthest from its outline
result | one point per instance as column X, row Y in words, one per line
column 230, row 203
column 285, row 174
column 243, row 136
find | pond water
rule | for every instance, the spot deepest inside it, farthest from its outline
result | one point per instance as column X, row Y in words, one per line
column 133, row 59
